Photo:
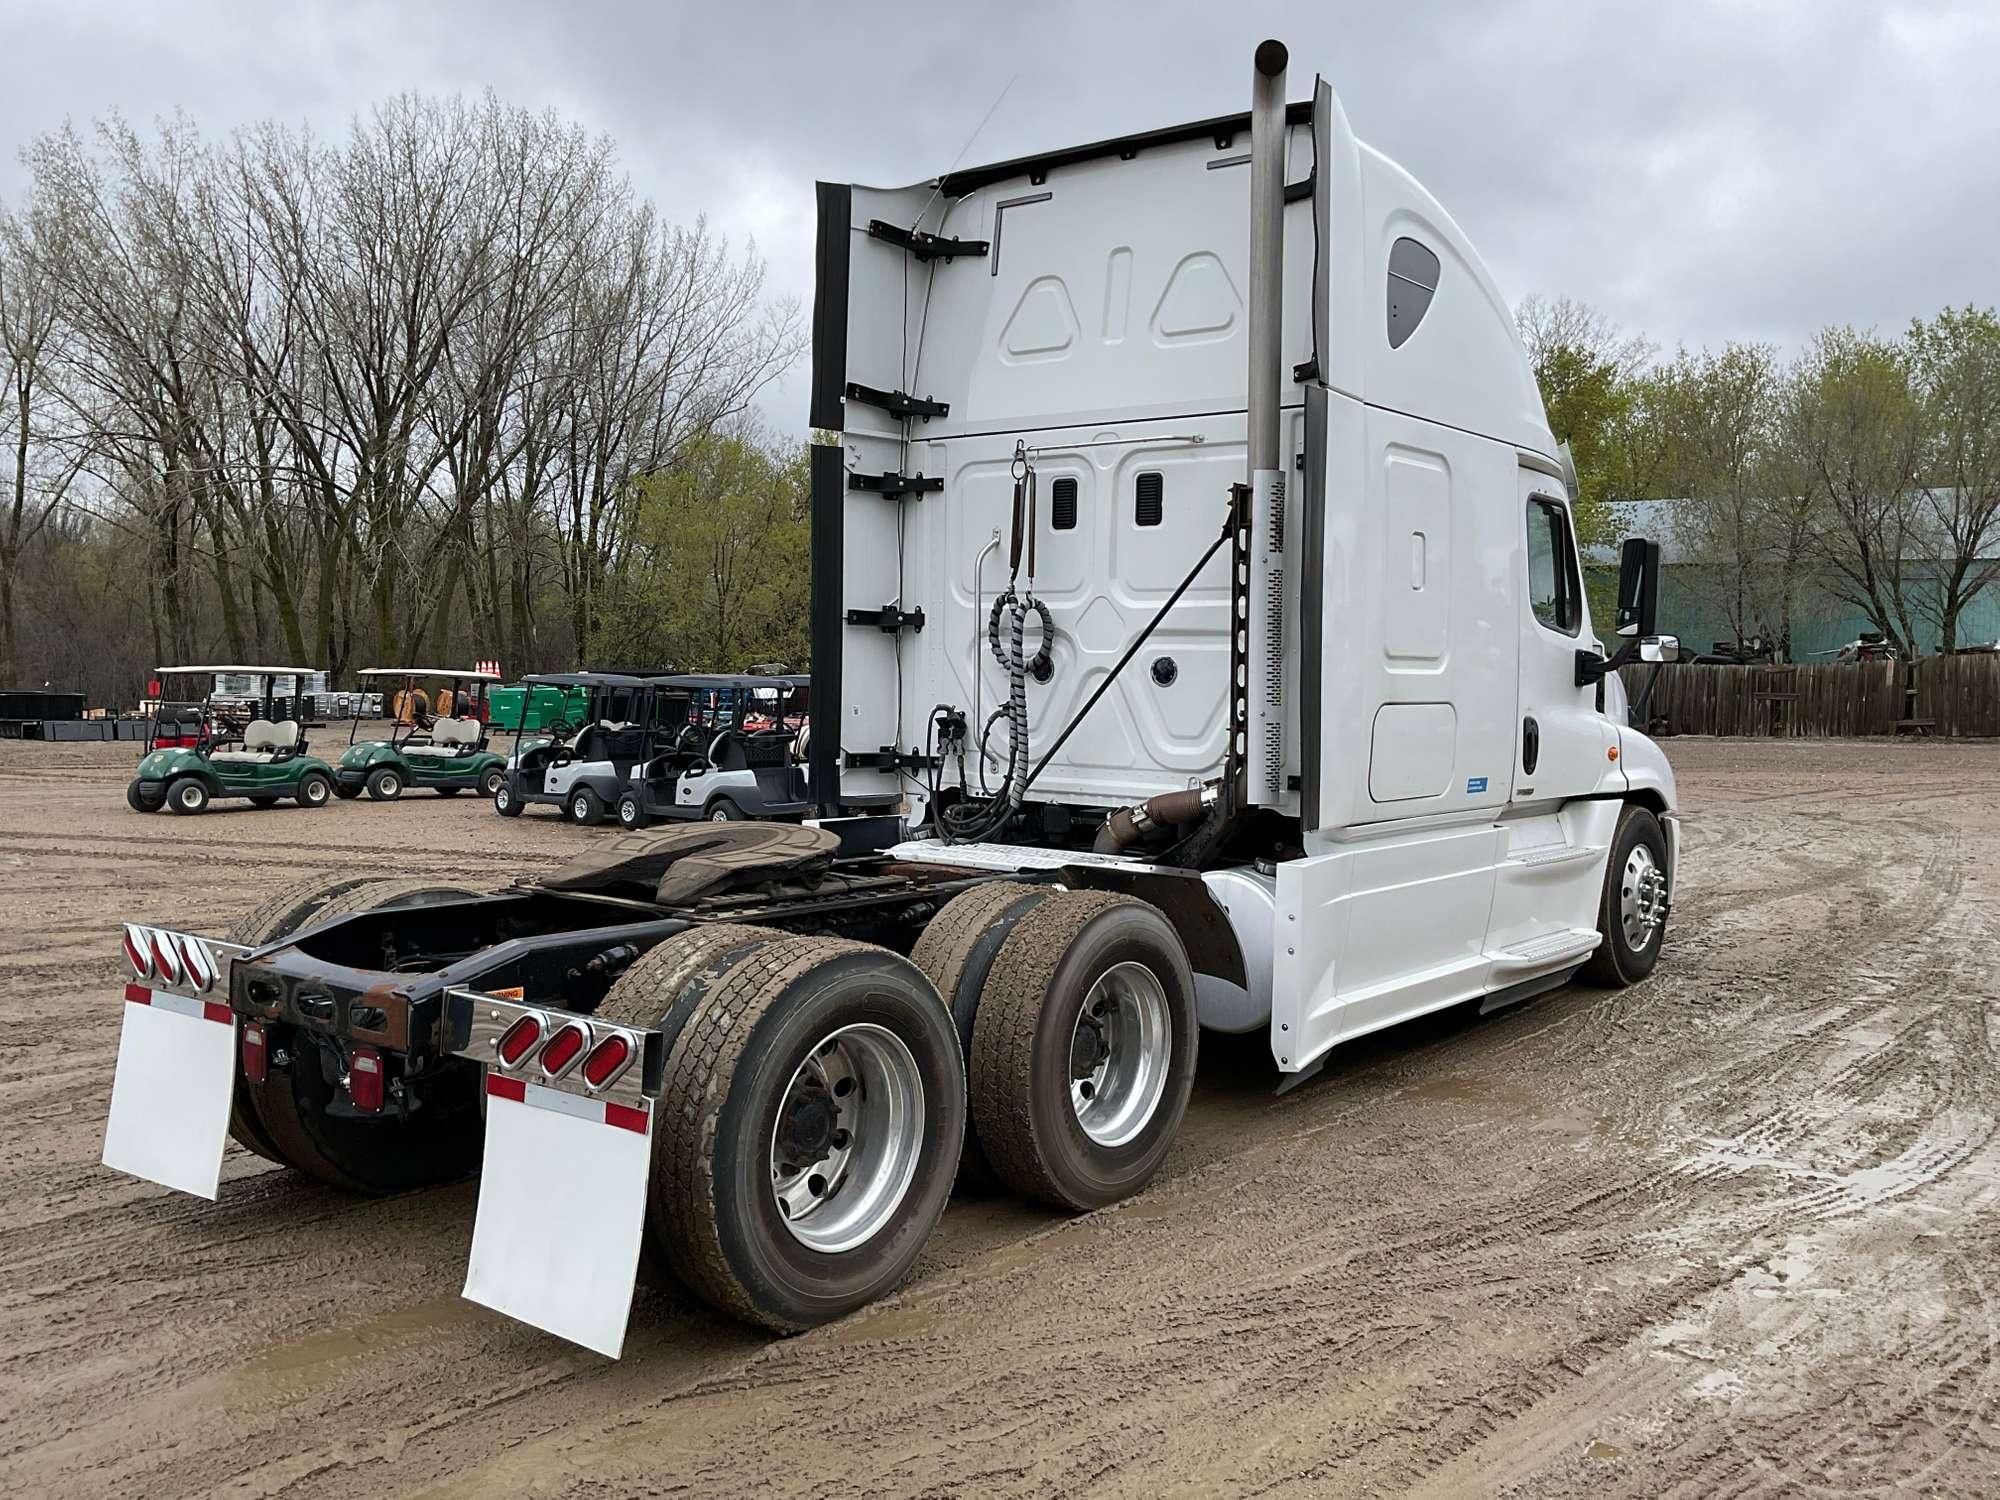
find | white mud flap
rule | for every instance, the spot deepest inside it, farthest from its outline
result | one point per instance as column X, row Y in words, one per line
column 562, row 1189
column 171, row 1094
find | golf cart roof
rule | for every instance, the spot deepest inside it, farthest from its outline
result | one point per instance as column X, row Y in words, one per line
column 461, row 674
column 586, row 679
column 732, row 680
column 237, row 671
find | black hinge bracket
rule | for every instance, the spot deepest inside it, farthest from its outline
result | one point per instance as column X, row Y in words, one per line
column 1302, row 372
column 924, row 246
column 898, row 403
column 1303, row 188
column 895, row 486
column 889, row 758
column 888, row 618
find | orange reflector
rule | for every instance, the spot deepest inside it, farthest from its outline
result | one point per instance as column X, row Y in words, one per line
column 1612, row 753
column 518, row 1040
column 563, row 1049
column 606, row 1061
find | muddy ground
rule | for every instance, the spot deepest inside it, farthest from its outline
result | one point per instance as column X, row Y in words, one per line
column 1732, row 1232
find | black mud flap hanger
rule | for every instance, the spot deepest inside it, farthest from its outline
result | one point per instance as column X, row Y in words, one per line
column 888, row 618
column 898, row 403
column 924, row 246
column 895, row 486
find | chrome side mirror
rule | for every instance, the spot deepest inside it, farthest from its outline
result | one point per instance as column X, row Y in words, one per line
column 1660, row 648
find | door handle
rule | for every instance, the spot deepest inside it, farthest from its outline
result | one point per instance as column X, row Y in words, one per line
column 1531, row 745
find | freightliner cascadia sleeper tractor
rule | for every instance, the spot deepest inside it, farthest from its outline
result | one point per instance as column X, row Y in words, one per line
column 1199, row 641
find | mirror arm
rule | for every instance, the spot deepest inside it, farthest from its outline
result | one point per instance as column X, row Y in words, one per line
column 1590, row 667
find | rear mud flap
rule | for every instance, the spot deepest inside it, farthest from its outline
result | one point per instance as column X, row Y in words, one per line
column 170, row 1096
column 562, row 1205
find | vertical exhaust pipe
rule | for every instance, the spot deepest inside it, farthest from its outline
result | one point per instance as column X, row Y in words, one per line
column 1260, row 609
column 1267, row 250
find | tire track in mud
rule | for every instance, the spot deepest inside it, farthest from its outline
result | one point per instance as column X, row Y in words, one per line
column 1473, row 1255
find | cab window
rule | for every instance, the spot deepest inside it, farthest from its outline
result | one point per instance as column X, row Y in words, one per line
column 1554, row 592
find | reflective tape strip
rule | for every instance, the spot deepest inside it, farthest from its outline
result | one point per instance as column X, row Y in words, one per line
column 597, row 1111
column 180, row 1005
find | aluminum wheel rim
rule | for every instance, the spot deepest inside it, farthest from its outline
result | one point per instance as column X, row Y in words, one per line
column 1120, row 1049
column 314, row 791
column 1642, row 897
column 837, row 1186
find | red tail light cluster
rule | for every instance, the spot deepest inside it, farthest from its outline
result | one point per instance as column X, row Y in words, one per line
column 172, row 958
column 256, row 1052
column 519, row 1040
column 564, row 1048
column 607, row 1060
column 365, row 1081
column 602, row 1060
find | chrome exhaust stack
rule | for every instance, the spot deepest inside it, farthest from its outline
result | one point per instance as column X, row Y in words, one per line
column 1259, row 617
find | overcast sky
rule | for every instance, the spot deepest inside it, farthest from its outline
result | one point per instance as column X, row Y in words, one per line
column 1700, row 169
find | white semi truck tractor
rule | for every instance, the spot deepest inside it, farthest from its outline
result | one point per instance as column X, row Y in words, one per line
column 1199, row 641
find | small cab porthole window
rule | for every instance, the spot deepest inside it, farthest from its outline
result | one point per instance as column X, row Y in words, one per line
column 1413, row 280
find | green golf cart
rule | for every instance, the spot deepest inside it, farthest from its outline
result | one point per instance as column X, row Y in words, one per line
column 437, row 740
column 252, row 745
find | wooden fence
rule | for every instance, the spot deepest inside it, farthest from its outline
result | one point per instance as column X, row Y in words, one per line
column 1941, row 695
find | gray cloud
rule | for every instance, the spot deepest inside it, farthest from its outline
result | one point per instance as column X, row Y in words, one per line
column 1702, row 170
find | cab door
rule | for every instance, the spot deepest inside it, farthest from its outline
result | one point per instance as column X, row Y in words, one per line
column 1561, row 740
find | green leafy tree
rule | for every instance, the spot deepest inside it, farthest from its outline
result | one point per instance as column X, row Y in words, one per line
column 717, row 576
column 1588, row 370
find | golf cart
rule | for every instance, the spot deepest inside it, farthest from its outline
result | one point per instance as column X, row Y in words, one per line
column 196, row 752
column 438, row 740
column 581, row 768
column 722, row 749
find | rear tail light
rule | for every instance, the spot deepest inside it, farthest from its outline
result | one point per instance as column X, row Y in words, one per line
column 138, row 951
column 564, row 1048
column 166, row 959
column 256, row 1053
column 364, row 1080
column 607, row 1060
column 518, row 1041
column 200, row 967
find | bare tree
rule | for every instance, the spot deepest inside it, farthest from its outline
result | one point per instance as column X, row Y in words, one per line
column 1851, row 443
column 1955, row 367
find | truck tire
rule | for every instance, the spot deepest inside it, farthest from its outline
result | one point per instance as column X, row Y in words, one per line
column 137, row 798
column 1083, row 1049
column 585, row 808
column 385, row 784
column 386, row 1154
column 1632, row 908
column 956, row 953
column 808, row 1131
column 188, row 795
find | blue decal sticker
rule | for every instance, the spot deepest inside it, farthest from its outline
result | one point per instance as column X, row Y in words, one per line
column 1475, row 783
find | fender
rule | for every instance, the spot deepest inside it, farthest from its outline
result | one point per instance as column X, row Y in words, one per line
column 1649, row 779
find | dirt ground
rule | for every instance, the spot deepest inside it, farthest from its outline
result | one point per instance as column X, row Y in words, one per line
column 1732, row 1232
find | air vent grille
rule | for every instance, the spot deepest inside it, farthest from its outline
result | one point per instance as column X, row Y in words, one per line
column 1062, row 505
column 1150, row 508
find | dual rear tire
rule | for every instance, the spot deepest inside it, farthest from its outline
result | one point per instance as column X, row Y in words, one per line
column 809, row 1121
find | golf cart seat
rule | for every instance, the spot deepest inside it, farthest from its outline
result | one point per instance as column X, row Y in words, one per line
column 449, row 737
column 263, row 742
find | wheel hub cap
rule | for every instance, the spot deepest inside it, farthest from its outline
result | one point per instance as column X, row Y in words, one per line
column 848, row 1133
column 1642, row 897
column 1119, row 1054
